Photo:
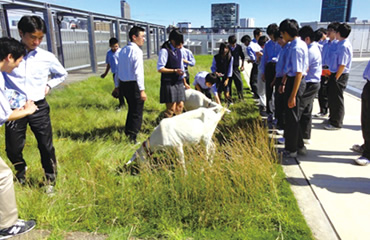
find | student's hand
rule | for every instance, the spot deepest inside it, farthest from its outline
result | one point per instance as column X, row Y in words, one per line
column 47, row 89
column 281, row 89
column 263, row 77
column 186, row 86
column 226, row 82
column 179, row 72
column 103, row 75
column 143, row 95
column 219, row 74
column 242, row 68
column 291, row 102
column 115, row 93
column 30, row 107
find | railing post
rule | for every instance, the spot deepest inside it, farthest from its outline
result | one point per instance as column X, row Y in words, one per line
column 58, row 38
column 158, row 40
column 50, row 33
column 118, row 31
column 92, row 43
column 4, row 22
column 148, row 40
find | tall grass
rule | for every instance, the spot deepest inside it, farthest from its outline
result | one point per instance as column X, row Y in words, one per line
column 242, row 195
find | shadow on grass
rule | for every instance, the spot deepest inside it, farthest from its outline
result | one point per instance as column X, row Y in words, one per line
column 91, row 135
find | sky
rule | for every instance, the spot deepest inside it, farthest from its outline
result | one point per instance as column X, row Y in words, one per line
column 198, row 12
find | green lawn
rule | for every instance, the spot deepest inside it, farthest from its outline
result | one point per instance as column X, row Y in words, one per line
column 243, row 195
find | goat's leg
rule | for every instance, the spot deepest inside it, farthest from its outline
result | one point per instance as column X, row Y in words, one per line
column 180, row 151
column 210, row 150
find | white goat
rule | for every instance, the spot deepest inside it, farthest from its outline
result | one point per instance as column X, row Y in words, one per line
column 190, row 127
column 195, row 99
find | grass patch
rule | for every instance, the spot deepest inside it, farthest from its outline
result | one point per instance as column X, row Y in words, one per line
column 243, row 195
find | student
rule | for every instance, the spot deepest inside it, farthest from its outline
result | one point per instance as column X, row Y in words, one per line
column 257, row 33
column 267, row 67
column 11, row 54
column 279, row 74
column 261, row 86
column 365, row 120
column 207, row 83
column 111, row 60
column 222, row 66
column 327, row 54
column 339, row 71
column 130, row 80
column 312, row 81
column 189, row 60
column 237, row 53
column 295, row 69
column 32, row 78
column 171, row 67
column 254, row 52
column 318, row 35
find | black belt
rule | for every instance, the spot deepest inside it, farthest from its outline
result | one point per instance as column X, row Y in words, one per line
column 40, row 101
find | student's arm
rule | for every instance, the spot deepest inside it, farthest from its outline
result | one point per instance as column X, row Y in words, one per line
column 242, row 56
column 339, row 72
column 58, row 73
column 217, row 99
column 297, row 82
column 162, row 61
column 27, row 109
column 197, row 87
column 106, row 71
column 282, row 84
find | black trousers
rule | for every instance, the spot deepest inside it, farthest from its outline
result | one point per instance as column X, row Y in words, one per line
column 306, row 108
column 292, row 130
column 253, row 80
column 187, row 76
column 206, row 92
column 135, row 108
column 365, row 119
column 237, row 78
column 279, row 105
column 15, row 138
column 336, row 99
column 269, row 77
column 120, row 95
column 323, row 94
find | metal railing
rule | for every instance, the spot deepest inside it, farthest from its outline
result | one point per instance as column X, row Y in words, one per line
column 82, row 41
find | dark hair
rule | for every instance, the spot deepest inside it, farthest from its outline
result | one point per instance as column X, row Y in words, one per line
column 334, row 26
column 176, row 36
column 256, row 32
column 11, row 46
column 212, row 78
column 135, row 31
column 277, row 35
column 262, row 40
column 245, row 38
column 289, row 26
column 323, row 30
column 318, row 35
column 222, row 48
column 344, row 30
column 307, row 31
column 272, row 28
column 31, row 24
column 113, row 41
column 232, row 39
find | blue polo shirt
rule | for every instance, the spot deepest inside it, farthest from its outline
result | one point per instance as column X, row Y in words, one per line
column 342, row 56
column 297, row 60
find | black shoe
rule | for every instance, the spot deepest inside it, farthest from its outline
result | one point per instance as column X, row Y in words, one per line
column 20, row 176
column 20, row 227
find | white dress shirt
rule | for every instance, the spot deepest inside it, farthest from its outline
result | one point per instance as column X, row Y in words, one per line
column 5, row 110
column 130, row 65
column 32, row 74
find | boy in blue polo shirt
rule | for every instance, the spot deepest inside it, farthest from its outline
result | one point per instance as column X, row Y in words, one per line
column 339, row 67
column 111, row 60
column 295, row 69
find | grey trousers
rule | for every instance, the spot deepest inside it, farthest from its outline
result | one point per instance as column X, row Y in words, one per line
column 8, row 205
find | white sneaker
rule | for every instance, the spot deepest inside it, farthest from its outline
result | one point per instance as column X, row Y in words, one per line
column 363, row 161
column 307, row 141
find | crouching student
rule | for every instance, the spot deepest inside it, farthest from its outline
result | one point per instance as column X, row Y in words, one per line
column 11, row 54
column 312, row 81
column 222, row 66
column 207, row 83
column 171, row 66
column 295, row 69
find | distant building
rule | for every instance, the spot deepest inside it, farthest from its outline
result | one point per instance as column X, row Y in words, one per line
column 125, row 10
column 184, row 25
column 336, row 10
column 225, row 15
column 243, row 22
column 247, row 22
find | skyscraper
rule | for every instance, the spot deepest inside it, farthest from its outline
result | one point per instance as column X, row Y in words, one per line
column 125, row 10
column 336, row 10
column 225, row 15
